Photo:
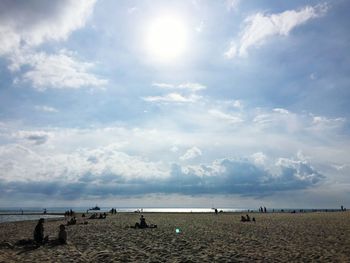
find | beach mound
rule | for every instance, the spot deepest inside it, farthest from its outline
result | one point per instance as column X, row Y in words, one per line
column 274, row 237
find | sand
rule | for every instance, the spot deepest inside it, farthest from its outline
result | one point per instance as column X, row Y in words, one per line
column 275, row 237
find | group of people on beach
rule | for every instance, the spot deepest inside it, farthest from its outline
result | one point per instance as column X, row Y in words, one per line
column 247, row 218
column 39, row 238
column 262, row 209
column 98, row 216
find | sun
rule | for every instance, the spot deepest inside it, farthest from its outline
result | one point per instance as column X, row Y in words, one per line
column 166, row 38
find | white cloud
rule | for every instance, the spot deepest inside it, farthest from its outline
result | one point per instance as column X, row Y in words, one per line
column 259, row 158
column 174, row 149
column 172, row 97
column 225, row 116
column 322, row 123
column 237, row 104
column 57, row 71
column 20, row 163
column 24, row 25
column 281, row 110
column 45, row 108
column 313, row 76
column 232, row 4
column 30, row 23
column 163, row 85
column 190, row 86
column 260, row 27
column 191, row 153
column 188, row 93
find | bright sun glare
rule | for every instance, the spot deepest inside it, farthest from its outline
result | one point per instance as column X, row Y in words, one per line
column 166, row 38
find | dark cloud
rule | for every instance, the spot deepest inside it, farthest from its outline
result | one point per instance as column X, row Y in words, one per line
column 37, row 138
column 225, row 177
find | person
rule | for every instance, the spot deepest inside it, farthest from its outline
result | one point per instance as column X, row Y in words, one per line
column 247, row 218
column 93, row 216
column 243, row 219
column 143, row 223
column 72, row 221
column 216, row 211
column 39, row 231
column 253, row 219
column 62, row 235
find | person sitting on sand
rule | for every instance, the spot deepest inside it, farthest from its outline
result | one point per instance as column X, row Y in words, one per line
column 93, row 216
column 253, row 219
column 72, row 221
column 143, row 223
column 62, row 235
column 247, row 218
column 243, row 219
column 39, row 231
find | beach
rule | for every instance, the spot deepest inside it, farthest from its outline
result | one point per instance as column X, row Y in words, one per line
column 202, row 237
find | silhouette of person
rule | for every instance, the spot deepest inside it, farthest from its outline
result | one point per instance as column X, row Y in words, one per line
column 62, row 235
column 143, row 223
column 39, row 231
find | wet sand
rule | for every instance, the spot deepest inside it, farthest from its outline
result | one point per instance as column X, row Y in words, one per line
column 275, row 237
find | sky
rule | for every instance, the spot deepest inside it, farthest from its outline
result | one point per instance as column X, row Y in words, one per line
column 231, row 103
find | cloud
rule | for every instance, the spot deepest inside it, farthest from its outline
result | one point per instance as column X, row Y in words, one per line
column 36, row 137
column 230, row 118
column 56, row 71
column 188, row 94
column 163, row 85
column 225, row 176
column 260, row 27
column 26, row 25
column 191, row 86
column 172, row 97
column 191, row 153
column 323, row 123
column 30, row 23
column 21, row 162
column 232, row 4
column 45, row 108
column 88, row 162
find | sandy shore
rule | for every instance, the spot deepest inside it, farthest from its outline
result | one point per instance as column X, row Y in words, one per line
column 307, row 237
